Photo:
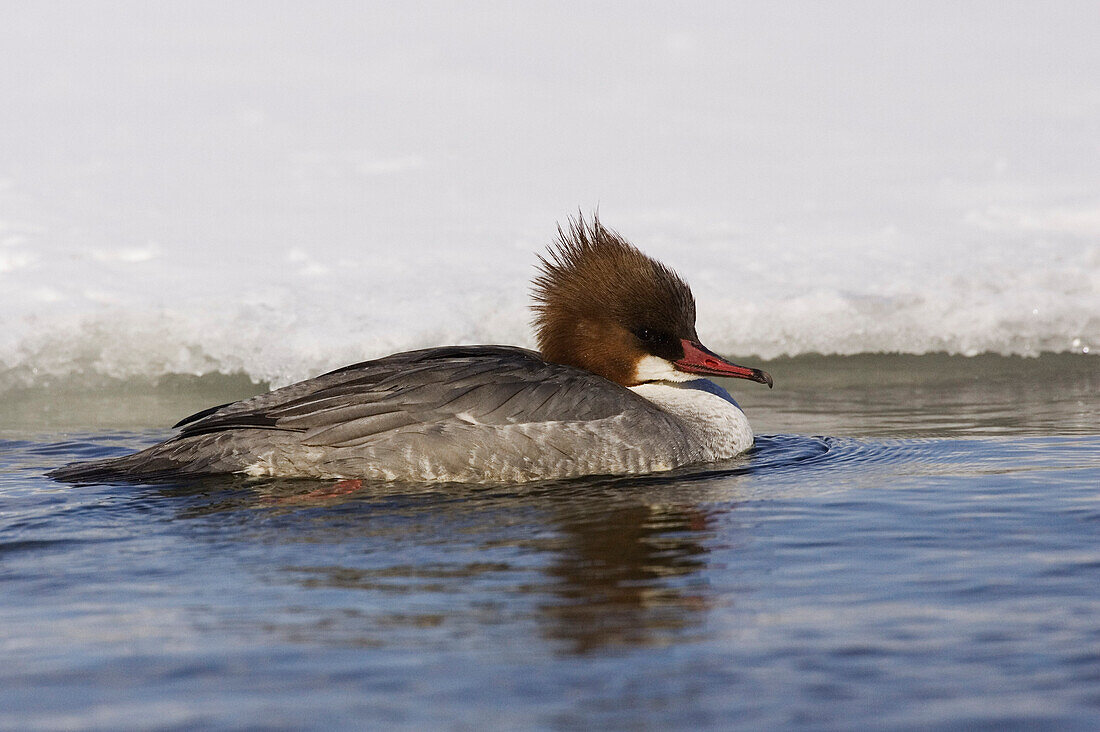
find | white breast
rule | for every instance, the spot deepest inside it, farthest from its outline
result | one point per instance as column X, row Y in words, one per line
column 712, row 420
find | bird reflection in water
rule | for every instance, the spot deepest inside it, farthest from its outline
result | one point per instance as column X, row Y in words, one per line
column 628, row 576
column 599, row 564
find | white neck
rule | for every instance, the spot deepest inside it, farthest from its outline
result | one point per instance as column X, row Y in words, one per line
column 711, row 419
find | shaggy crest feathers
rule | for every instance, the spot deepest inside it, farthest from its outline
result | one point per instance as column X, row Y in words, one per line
column 593, row 281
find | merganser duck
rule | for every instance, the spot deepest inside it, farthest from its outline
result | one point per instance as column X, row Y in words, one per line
column 615, row 388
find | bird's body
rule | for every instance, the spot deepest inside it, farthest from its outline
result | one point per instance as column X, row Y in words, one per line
column 488, row 414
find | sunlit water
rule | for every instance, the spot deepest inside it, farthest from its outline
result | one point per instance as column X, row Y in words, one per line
column 933, row 561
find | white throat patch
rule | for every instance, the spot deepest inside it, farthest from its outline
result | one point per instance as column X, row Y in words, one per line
column 710, row 418
column 655, row 368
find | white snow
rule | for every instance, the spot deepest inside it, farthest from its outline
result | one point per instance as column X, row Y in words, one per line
column 217, row 187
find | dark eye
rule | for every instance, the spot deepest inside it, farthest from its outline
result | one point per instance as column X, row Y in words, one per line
column 644, row 334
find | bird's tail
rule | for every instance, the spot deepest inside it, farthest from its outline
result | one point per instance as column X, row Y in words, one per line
column 138, row 466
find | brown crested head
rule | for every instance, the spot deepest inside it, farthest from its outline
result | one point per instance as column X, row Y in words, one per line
column 602, row 305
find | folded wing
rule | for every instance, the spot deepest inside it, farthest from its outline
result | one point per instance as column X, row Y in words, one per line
column 421, row 391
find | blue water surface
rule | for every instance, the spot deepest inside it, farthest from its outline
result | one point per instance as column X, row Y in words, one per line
column 819, row 582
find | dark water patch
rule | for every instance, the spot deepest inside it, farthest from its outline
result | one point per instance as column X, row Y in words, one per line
column 89, row 400
column 932, row 395
column 40, row 545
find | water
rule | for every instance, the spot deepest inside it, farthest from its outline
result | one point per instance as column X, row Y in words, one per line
column 932, row 561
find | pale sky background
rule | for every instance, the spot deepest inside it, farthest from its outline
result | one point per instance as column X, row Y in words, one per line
column 281, row 187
